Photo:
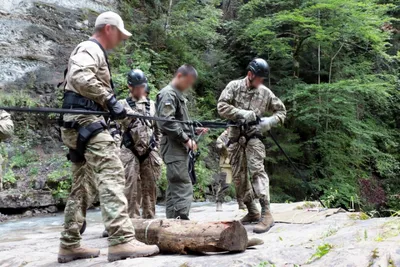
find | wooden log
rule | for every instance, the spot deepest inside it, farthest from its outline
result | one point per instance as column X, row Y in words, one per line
column 180, row 236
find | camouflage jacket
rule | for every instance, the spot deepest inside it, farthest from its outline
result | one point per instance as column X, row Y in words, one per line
column 6, row 125
column 238, row 96
column 142, row 131
column 171, row 104
column 89, row 76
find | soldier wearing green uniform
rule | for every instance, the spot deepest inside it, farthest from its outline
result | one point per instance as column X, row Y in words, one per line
column 96, row 167
column 176, row 141
column 247, row 100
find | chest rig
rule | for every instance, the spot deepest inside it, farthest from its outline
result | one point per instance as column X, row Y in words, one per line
column 139, row 148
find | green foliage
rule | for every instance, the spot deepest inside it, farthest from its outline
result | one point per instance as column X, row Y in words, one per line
column 203, row 180
column 34, row 170
column 24, row 154
column 265, row 264
column 342, row 101
column 321, row 251
column 359, row 216
column 61, row 180
column 162, row 183
column 22, row 159
column 18, row 98
column 9, row 177
column 334, row 63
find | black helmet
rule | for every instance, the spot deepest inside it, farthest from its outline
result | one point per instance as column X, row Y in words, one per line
column 136, row 77
column 259, row 67
column 147, row 89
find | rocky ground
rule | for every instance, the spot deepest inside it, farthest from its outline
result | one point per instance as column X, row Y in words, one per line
column 339, row 240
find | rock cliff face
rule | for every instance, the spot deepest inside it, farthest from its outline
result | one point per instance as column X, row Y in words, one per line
column 36, row 38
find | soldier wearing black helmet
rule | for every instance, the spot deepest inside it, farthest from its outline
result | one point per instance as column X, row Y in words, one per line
column 248, row 100
column 139, row 151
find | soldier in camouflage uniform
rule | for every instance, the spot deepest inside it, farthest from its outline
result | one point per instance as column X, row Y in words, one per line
column 139, row 152
column 93, row 152
column 176, row 141
column 225, row 176
column 247, row 100
column 6, row 130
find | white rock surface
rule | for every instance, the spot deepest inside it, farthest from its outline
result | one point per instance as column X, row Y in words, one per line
column 373, row 242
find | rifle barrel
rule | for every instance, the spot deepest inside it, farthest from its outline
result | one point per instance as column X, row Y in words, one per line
column 208, row 124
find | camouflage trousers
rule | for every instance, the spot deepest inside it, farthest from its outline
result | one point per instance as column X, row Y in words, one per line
column 102, row 173
column 141, row 183
column 249, row 159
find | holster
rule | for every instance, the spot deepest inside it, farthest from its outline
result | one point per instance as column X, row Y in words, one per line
column 74, row 156
column 85, row 133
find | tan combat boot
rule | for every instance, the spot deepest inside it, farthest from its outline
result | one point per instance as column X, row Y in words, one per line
column 131, row 249
column 253, row 214
column 267, row 221
column 71, row 254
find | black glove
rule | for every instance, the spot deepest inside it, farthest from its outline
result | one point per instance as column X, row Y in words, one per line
column 116, row 109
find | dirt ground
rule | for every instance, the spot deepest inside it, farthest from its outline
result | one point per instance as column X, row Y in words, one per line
column 338, row 240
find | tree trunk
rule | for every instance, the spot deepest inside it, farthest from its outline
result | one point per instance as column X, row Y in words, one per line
column 179, row 236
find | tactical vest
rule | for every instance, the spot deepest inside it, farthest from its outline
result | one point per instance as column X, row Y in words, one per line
column 136, row 136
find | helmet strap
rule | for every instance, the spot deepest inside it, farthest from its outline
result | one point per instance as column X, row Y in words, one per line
column 251, row 79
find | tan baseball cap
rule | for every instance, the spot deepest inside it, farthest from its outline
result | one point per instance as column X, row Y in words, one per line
column 114, row 19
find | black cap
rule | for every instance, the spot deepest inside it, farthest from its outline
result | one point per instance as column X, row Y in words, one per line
column 136, row 77
column 259, row 67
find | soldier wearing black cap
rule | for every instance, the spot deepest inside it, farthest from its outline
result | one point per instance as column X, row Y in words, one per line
column 140, row 149
column 247, row 100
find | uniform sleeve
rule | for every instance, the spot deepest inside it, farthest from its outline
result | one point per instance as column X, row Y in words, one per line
column 125, row 122
column 115, row 131
column 83, row 68
column 225, row 108
column 156, row 130
column 6, row 125
column 276, row 106
column 221, row 140
column 166, row 109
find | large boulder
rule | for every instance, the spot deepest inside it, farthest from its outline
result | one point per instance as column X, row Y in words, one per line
column 26, row 199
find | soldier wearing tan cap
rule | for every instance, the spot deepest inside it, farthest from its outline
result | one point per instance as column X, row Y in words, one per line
column 96, row 166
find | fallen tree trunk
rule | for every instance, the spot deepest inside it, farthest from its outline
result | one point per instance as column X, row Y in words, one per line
column 179, row 236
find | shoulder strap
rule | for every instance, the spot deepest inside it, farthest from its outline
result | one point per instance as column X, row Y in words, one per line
column 148, row 107
column 131, row 103
column 106, row 57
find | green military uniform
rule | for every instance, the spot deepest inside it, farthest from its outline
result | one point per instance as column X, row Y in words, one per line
column 171, row 104
column 141, row 161
column 88, row 75
column 6, row 130
column 246, row 151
